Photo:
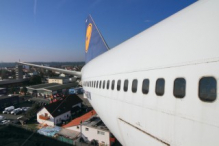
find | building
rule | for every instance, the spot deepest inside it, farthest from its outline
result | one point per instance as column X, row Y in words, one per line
column 59, row 80
column 58, row 112
column 92, row 128
column 8, row 83
column 19, row 72
column 50, row 89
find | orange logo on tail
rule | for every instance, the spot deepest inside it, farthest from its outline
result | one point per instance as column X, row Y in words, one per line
column 88, row 36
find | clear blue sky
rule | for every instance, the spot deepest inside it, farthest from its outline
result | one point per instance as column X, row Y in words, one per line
column 54, row 30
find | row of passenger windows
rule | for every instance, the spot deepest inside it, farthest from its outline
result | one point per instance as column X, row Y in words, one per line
column 207, row 87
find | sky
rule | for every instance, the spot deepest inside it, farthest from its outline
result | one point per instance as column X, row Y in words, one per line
column 54, row 30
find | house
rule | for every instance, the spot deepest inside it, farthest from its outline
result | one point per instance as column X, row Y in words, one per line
column 92, row 128
column 59, row 80
column 57, row 112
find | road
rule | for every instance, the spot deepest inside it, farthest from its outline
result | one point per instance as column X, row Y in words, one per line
column 11, row 117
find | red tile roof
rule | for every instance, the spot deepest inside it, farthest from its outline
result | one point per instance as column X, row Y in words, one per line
column 78, row 120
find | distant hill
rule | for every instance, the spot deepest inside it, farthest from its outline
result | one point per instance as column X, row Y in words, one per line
column 12, row 64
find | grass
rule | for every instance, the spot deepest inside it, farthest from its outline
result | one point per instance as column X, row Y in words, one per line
column 32, row 127
column 16, row 136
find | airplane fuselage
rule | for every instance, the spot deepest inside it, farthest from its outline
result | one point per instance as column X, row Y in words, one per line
column 183, row 46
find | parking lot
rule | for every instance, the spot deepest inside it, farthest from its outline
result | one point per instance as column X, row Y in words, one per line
column 14, row 118
column 10, row 116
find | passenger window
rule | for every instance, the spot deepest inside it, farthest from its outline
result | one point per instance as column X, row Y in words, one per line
column 108, row 82
column 179, row 89
column 97, row 84
column 94, row 84
column 145, row 86
column 207, row 89
column 104, row 84
column 118, row 85
column 160, row 84
column 113, row 84
column 126, row 83
column 100, row 84
column 134, row 85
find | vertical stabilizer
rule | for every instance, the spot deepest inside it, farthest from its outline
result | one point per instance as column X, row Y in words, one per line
column 95, row 44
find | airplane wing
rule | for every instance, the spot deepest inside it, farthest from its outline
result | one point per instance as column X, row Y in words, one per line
column 76, row 73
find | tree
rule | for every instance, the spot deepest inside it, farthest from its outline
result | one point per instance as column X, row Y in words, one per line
column 35, row 80
column 24, row 90
column 13, row 74
column 12, row 90
column 50, row 73
column 4, row 74
column 41, row 74
column 32, row 111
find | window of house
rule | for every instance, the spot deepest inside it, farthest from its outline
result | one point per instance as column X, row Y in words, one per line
column 100, row 84
column 77, row 127
column 100, row 132
column 207, row 89
column 118, row 84
column 134, row 85
column 160, row 85
column 126, row 83
column 179, row 89
column 107, row 86
column 145, row 86
column 113, row 84
column 86, row 129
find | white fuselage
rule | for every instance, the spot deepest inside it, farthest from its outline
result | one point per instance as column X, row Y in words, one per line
column 185, row 45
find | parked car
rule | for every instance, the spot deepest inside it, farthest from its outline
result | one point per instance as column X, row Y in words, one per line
column 2, row 118
column 24, row 109
column 18, row 118
column 8, row 110
column 5, row 122
column 16, row 111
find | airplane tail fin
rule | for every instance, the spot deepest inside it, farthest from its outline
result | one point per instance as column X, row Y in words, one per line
column 95, row 44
